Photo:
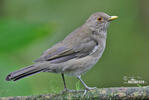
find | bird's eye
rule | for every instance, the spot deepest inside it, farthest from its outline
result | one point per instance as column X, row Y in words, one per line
column 100, row 19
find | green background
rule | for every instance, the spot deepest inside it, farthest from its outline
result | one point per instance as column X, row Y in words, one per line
column 28, row 27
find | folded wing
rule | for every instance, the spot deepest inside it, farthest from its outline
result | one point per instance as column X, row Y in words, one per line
column 61, row 53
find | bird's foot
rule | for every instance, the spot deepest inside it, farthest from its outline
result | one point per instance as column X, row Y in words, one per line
column 67, row 91
column 88, row 89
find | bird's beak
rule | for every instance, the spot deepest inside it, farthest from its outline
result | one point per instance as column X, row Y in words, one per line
column 113, row 18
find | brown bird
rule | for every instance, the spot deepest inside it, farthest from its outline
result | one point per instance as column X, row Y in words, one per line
column 76, row 54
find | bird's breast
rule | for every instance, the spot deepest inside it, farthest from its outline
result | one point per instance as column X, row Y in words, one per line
column 99, row 48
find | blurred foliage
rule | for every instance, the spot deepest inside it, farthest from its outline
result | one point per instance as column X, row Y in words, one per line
column 16, row 34
column 27, row 28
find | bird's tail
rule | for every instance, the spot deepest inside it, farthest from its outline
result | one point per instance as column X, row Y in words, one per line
column 33, row 69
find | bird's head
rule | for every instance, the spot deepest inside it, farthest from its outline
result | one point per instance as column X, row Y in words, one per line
column 100, row 21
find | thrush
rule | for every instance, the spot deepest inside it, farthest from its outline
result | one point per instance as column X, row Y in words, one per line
column 74, row 55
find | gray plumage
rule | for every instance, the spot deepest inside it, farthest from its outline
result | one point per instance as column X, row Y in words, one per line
column 76, row 54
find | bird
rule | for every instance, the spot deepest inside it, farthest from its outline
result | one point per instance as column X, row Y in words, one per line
column 75, row 55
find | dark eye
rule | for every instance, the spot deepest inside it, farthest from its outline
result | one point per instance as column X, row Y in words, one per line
column 100, row 19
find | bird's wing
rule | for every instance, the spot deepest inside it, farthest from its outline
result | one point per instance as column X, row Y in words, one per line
column 79, row 43
column 61, row 53
column 52, row 53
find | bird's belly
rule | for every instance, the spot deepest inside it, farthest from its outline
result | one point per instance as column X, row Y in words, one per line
column 77, row 67
column 74, row 67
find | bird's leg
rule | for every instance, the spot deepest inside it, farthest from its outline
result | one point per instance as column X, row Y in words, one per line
column 63, row 77
column 86, row 87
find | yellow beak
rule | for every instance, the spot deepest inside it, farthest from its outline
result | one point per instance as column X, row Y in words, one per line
column 113, row 18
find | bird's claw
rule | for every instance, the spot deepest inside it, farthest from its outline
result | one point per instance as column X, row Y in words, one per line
column 88, row 89
column 67, row 91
